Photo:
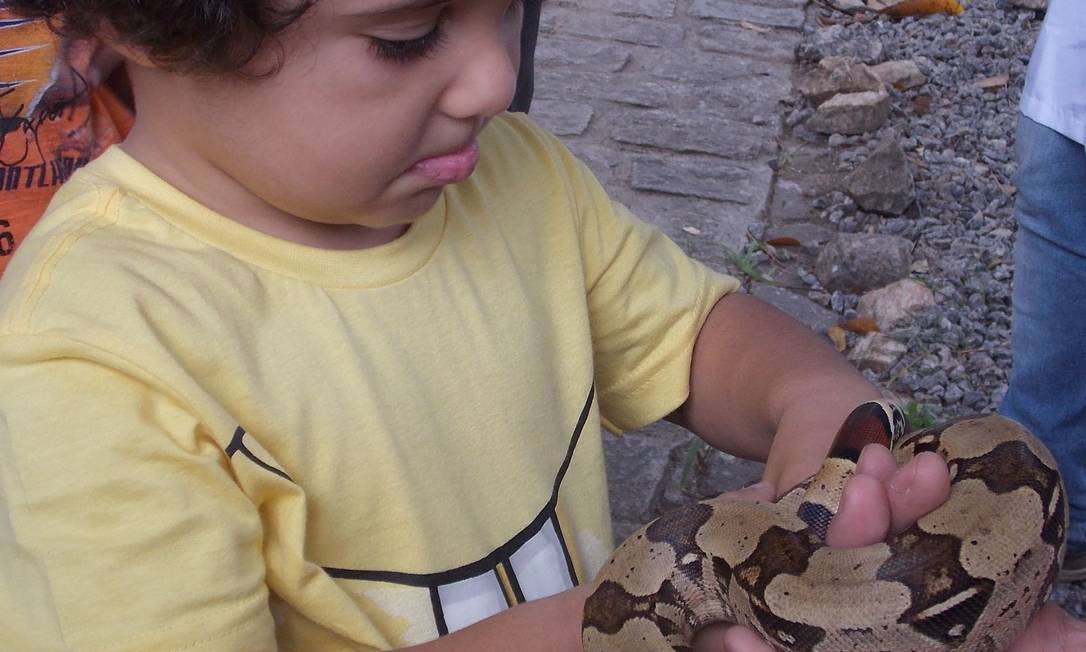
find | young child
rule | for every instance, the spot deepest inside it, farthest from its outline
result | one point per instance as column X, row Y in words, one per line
column 55, row 116
column 318, row 358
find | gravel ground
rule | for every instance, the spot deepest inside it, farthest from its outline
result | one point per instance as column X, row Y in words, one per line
column 962, row 151
column 960, row 139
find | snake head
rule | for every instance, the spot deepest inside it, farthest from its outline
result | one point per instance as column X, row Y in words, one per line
column 873, row 422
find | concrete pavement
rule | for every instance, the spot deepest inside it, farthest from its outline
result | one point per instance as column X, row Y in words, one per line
column 674, row 105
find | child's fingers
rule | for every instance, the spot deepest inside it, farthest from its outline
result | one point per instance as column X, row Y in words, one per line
column 762, row 491
column 863, row 517
column 877, row 461
column 744, row 639
column 722, row 637
column 917, row 488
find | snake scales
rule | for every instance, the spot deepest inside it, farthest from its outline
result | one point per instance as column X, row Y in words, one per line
column 967, row 576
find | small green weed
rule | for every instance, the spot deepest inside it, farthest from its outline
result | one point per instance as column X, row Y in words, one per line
column 696, row 448
column 744, row 263
column 920, row 416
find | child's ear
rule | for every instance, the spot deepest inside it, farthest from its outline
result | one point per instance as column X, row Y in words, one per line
column 136, row 55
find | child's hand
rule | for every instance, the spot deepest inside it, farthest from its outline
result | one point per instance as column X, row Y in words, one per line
column 1052, row 630
column 879, row 500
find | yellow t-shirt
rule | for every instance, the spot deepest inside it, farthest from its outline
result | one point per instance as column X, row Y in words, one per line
column 213, row 439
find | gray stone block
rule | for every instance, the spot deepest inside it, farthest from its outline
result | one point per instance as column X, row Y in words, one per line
column 701, row 132
column 709, row 68
column 584, row 55
column 563, row 118
column 646, row 8
column 775, row 45
column 760, row 14
column 620, row 89
column 709, row 178
column 639, row 31
column 636, row 463
column 601, row 160
column 789, row 203
column 799, row 307
column 719, row 224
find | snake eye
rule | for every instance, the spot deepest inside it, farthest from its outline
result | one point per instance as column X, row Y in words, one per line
column 899, row 421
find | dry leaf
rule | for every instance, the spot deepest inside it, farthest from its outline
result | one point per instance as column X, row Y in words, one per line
column 995, row 81
column 922, row 105
column 754, row 28
column 827, row 21
column 918, row 162
column 923, row 8
column 837, row 335
column 860, row 325
column 784, row 241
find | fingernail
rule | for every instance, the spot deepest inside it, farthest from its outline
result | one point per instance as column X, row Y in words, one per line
column 902, row 483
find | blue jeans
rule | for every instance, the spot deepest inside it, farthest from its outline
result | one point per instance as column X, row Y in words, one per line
column 1047, row 391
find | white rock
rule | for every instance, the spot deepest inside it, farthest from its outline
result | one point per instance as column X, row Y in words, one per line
column 848, row 6
column 835, row 75
column 895, row 302
column 852, row 113
column 902, row 74
column 1029, row 4
column 876, row 352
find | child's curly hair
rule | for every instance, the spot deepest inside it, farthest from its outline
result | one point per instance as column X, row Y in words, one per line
column 199, row 36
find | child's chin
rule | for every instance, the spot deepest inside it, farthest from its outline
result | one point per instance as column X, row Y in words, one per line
column 416, row 206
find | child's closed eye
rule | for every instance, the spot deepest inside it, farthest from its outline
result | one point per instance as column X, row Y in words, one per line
column 409, row 50
column 405, row 51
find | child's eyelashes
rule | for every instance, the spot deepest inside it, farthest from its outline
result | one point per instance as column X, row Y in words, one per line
column 410, row 50
column 407, row 51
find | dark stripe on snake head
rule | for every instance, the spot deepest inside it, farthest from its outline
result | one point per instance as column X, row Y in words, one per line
column 928, row 439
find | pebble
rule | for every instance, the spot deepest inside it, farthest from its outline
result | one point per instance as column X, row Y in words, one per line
column 963, row 221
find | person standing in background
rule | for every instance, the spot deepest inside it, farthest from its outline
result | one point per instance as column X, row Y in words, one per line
column 1047, row 390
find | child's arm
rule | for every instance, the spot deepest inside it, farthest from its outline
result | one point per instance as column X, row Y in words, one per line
column 763, row 386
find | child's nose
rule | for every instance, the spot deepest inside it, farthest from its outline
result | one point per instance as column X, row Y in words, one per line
column 485, row 85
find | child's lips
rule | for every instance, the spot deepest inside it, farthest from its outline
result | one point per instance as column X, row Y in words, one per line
column 451, row 167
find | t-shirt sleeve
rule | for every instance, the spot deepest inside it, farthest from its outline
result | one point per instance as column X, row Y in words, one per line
column 647, row 302
column 121, row 527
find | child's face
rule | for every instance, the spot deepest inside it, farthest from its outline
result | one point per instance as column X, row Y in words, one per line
column 375, row 108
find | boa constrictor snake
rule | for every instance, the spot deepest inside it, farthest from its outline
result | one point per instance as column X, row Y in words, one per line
column 968, row 576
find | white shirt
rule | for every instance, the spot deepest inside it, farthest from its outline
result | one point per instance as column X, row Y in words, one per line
column 1055, row 93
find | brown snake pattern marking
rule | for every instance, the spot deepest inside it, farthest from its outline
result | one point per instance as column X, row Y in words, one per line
column 967, row 576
